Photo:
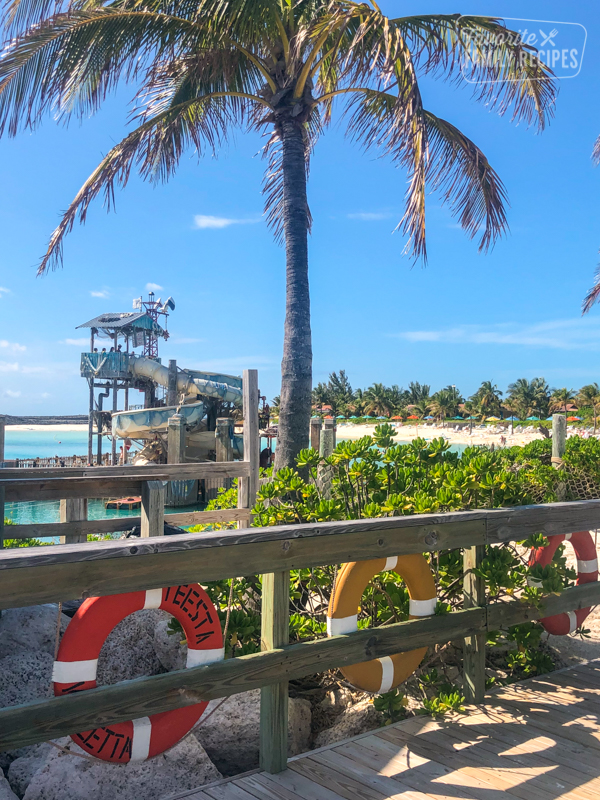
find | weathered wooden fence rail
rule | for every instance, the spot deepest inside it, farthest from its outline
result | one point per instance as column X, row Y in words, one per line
column 73, row 487
column 55, row 573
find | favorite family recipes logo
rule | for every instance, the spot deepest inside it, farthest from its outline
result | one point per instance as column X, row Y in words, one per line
column 488, row 55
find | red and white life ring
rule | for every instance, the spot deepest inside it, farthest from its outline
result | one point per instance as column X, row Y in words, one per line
column 77, row 661
column 587, row 572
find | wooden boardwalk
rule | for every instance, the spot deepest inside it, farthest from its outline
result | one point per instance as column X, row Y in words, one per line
column 538, row 740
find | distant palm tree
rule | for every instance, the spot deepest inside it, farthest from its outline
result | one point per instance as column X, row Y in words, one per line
column 445, row 403
column 378, row 401
column 561, row 398
column 590, row 396
column 487, row 399
column 203, row 68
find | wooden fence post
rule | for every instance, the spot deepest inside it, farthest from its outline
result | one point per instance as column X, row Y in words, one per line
column 559, row 445
column 153, row 509
column 329, row 425
column 223, row 444
column 73, row 510
column 274, row 698
column 474, row 646
column 172, row 383
column 315, row 433
column 247, row 487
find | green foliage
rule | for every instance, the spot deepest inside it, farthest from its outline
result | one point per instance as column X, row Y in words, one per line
column 374, row 477
column 444, row 703
column 392, row 705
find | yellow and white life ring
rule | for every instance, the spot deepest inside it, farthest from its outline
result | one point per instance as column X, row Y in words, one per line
column 381, row 674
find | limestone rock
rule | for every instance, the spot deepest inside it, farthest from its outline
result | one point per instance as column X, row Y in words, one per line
column 25, row 677
column 30, row 629
column 67, row 777
column 171, row 654
column 231, row 735
column 355, row 720
column 128, row 651
column 6, row 793
column 24, row 767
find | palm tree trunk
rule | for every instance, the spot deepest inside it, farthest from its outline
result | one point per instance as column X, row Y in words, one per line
column 296, row 365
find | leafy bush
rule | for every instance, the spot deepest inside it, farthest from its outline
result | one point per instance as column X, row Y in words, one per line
column 374, row 477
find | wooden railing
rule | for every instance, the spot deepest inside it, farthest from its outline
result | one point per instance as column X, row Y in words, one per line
column 54, row 573
column 74, row 487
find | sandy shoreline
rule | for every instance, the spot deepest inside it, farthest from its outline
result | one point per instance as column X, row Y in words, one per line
column 63, row 427
column 408, row 433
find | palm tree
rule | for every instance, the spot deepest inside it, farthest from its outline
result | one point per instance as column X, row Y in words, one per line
column 487, row 399
column 521, row 397
column 378, row 400
column 445, row 403
column 205, row 67
column 561, row 398
column 589, row 395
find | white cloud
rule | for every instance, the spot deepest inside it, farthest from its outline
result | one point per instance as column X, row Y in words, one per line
column 6, row 366
column 100, row 293
column 153, row 287
column 568, row 334
column 370, row 216
column 77, row 342
column 14, row 346
column 10, row 393
column 204, row 221
column 4, row 290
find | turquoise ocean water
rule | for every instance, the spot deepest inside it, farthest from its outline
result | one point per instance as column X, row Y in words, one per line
column 32, row 443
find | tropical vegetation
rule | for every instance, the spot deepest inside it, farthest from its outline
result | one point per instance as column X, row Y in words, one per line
column 525, row 398
column 203, row 68
column 374, row 477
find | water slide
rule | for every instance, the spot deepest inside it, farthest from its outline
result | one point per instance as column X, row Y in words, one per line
column 146, row 423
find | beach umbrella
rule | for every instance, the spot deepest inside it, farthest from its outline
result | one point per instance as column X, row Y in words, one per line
column 353, row 417
column 396, row 417
column 381, row 417
column 492, row 419
column 340, row 416
column 455, row 417
column 471, row 417
column 412, row 416
column 515, row 419
column 429, row 417
column 573, row 419
column 533, row 418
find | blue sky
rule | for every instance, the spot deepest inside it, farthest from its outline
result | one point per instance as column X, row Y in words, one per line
column 464, row 318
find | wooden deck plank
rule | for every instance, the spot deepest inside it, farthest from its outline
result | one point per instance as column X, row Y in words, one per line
column 538, row 740
column 288, row 785
column 428, row 778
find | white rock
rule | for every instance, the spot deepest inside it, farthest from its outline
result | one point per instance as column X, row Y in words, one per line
column 25, row 677
column 357, row 719
column 67, row 777
column 171, row 653
column 128, row 651
column 231, row 735
column 23, row 768
column 6, row 793
column 28, row 629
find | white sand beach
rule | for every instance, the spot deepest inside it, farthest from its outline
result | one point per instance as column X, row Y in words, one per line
column 485, row 436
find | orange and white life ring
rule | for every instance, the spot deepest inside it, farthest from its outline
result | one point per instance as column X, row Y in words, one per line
column 77, row 662
column 381, row 674
column 587, row 572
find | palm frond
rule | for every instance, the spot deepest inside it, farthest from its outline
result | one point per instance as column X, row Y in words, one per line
column 504, row 72
column 462, row 174
column 593, row 295
column 596, row 152
column 70, row 62
column 155, row 148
